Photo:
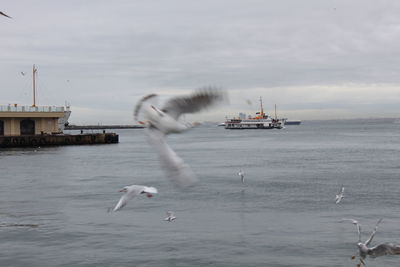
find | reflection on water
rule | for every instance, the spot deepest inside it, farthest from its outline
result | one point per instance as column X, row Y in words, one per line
column 54, row 200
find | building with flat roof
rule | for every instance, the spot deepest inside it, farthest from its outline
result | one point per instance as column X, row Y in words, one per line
column 31, row 120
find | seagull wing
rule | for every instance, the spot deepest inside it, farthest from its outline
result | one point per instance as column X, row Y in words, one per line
column 150, row 189
column 195, row 102
column 384, row 249
column 176, row 169
column 1, row 13
column 139, row 105
column 127, row 196
column 373, row 233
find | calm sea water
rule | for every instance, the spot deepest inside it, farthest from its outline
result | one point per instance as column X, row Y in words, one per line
column 285, row 216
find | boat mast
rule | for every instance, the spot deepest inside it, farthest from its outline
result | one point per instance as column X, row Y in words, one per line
column 276, row 117
column 34, row 72
column 262, row 111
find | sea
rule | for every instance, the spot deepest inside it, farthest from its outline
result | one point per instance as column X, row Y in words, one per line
column 54, row 201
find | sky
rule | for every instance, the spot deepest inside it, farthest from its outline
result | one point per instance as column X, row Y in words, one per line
column 314, row 59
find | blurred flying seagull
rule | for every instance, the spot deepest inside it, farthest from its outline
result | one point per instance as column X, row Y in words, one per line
column 23, row 73
column 170, row 216
column 376, row 251
column 1, row 13
column 241, row 174
column 164, row 121
column 133, row 191
column 339, row 196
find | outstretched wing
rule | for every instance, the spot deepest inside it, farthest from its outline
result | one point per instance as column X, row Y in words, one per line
column 197, row 101
column 1, row 13
column 150, row 189
column 132, row 192
column 175, row 168
column 373, row 233
column 122, row 202
column 384, row 249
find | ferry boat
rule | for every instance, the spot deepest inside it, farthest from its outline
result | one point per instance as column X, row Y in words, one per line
column 260, row 121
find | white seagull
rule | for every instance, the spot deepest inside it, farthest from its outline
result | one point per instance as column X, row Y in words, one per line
column 339, row 196
column 163, row 121
column 133, row 191
column 170, row 216
column 376, row 251
column 241, row 174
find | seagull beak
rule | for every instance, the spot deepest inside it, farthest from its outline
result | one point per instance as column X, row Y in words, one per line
column 122, row 190
column 149, row 195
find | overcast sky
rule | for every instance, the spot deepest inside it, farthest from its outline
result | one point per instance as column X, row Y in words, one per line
column 315, row 59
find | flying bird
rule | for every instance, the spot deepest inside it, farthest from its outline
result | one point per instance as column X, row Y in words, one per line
column 339, row 196
column 170, row 216
column 161, row 122
column 22, row 73
column 241, row 174
column 1, row 13
column 133, row 191
column 376, row 251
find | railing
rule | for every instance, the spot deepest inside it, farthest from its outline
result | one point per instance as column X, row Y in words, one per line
column 32, row 109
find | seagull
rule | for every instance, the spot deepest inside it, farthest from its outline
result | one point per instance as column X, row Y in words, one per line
column 241, row 174
column 161, row 122
column 132, row 191
column 1, row 13
column 376, row 251
column 22, row 73
column 170, row 216
column 339, row 196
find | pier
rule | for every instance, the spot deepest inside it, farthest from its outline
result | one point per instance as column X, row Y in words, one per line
column 102, row 127
column 58, row 140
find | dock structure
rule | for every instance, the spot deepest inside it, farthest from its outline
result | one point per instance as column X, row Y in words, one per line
column 30, row 120
column 34, row 125
column 58, row 140
column 102, row 127
column 30, row 126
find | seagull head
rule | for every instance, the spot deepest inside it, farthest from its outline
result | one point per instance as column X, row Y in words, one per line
column 124, row 190
column 153, row 115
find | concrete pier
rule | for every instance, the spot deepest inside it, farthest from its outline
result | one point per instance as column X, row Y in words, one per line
column 101, row 127
column 58, row 139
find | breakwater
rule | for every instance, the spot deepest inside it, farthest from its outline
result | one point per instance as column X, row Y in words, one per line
column 102, row 127
column 58, row 140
